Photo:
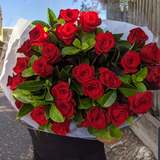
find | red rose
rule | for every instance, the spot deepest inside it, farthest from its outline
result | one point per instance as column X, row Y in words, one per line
column 98, row 117
column 119, row 112
column 67, row 32
column 51, row 53
column 10, row 80
column 150, row 53
column 18, row 79
column 26, row 48
column 83, row 72
column 61, row 127
column 137, row 33
column 69, row 15
column 66, row 107
column 38, row 115
column 21, row 65
column 89, row 21
column 19, row 104
column 130, row 62
column 85, row 123
column 38, row 36
column 153, row 74
column 41, row 68
column 141, row 102
column 93, row 88
column 108, row 78
column 104, row 42
column 61, row 92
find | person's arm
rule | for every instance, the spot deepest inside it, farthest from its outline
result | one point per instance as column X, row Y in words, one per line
column 112, row 141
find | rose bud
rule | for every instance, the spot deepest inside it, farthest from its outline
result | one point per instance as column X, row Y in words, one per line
column 41, row 68
column 38, row 115
column 69, row 15
column 38, row 36
column 89, row 21
column 138, row 34
column 83, row 72
column 108, row 78
column 61, row 127
column 66, row 107
column 153, row 74
column 119, row 112
column 51, row 53
column 26, row 48
column 67, row 32
column 10, row 80
column 93, row 88
column 61, row 92
column 104, row 42
column 21, row 65
column 130, row 62
column 19, row 104
column 150, row 53
column 141, row 102
column 98, row 117
column 18, row 79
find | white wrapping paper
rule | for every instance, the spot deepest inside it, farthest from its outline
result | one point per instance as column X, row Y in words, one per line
column 20, row 34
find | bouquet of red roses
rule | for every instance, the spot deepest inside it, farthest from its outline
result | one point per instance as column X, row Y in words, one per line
column 74, row 71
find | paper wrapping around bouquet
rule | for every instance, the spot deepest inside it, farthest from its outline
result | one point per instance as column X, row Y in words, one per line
column 20, row 34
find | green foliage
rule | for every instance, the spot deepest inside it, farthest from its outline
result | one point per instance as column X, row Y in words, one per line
column 48, row 96
column 77, row 43
column 99, row 30
column 24, row 110
column 76, row 86
column 125, row 44
column 142, row 88
column 49, row 125
column 47, row 110
column 31, row 62
column 129, row 120
column 127, row 89
column 53, row 38
column 108, row 99
column 125, row 78
column 87, row 36
column 117, row 36
column 52, row 19
column 44, row 24
column 37, row 49
column 78, row 117
column 56, row 73
column 115, row 132
column 28, row 72
column 69, row 50
column 85, row 103
column 55, row 114
column 42, row 128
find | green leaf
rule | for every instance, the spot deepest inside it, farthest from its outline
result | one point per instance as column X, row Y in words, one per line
column 99, row 30
column 109, row 98
column 76, row 86
column 134, row 46
column 99, row 100
column 47, row 111
column 125, row 44
column 127, row 89
column 37, row 49
column 42, row 128
column 28, row 72
column 108, row 136
column 68, row 68
column 71, row 117
column 24, row 110
column 36, row 102
column 65, row 74
column 61, row 21
column 48, row 96
column 31, row 85
column 84, row 46
column 31, row 62
column 125, row 78
column 26, row 92
column 115, row 132
column 143, row 73
column 107, row 31
column 129, row 120
column 20, row 96
column 44, row 24
column 77, row 43
column 55, row 114
column 53, row 38
column 52, row 19
column 87, row 36
column 91, row 130
column 139, row 79
column 86, row 61
column 134, row 78
column 142, row 88
column 117, row 36
column 78, row 117
column 69, row 50
column 85, row 103
column 56, row 73
column 49, row 125
column 91, row 43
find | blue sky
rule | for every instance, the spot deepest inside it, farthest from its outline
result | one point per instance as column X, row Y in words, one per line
column 32, row 10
